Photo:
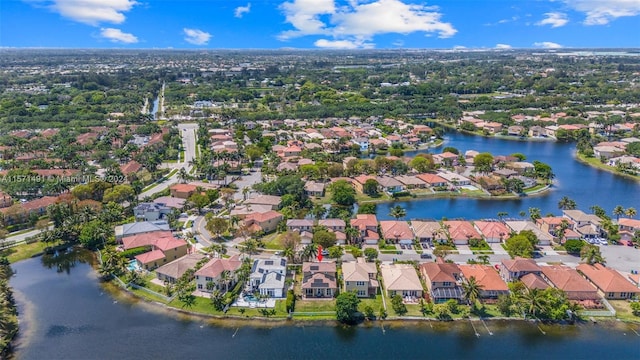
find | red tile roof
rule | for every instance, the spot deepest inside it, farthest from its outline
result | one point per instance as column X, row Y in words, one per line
column 486, row 276
column 392, row 229
column 216, row 266
column 146, row 239
column 150, row 256
column 607, row 280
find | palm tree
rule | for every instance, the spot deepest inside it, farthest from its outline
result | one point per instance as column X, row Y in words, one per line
column 471, row 291
column 352, row 234
column 562, row 228
column 290, row 254
column 397, row 212
column 225, row 277
column 534, row 213
column 502, row 215
column 566, row 203
column 631, row 212
column 591, row 254
column 533, row 301
column 617, row 211
column 245, row 192
column 183, row 175
column 309, row 252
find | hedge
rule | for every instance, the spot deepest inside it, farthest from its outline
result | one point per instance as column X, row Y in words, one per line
column 131, row 253
column 291, row 301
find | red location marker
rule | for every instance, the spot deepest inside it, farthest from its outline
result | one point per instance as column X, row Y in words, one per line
column 319, row 253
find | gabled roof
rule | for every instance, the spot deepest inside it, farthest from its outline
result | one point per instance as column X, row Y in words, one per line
column 400, row 277
column 150, row 256
column 633, row 223
column 313, row 267
column 262, row 217
column 607, row 280
column 332, row 223
column 362, row 221
column 264, row 199
column 426, row 229
column 299, row 222
column 492, row 229
column 392, row 229
column 486, row 276
column 145, row 239
column 461, row 230
column 569, row 280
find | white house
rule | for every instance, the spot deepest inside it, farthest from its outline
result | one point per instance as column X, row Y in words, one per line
column 268, row 275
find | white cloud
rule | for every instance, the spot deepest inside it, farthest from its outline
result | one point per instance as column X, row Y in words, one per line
column 503, row 46
column 196, row 37
column 547, row 45
column 342, row 44
column 555, row 19
column 116, row 35
column 601, row 12
column 358, row 23
column 459, row 47
column 241, row 10
column 91, row 12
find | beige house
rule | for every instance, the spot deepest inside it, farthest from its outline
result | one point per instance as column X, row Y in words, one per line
column 319, row 280
column 360, row 277
column 218, row 274
column 267, row 221
column 171, row 272
column 442, row 280
column 401, row 279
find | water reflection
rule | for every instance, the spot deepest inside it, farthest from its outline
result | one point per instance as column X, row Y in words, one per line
column 63, row 260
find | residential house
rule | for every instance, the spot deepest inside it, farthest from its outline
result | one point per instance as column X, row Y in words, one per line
column 488, row 278
column 534, row 281
column 610, row 283
column 389, row 184
column 492, row 231
column 172, row 271
column 627, row 228
column 218, row 274
column 300, row 225
column 432, row 180
column 164, row 248
column 460, row 232
column 607, row 152
column 319, row 280
column 172, row 202
column 587, row 225
column 455, row 179
column 360, row 277
column 271, row 200
column 544, row 238
column 515, row 130
column 20, row 212
column 263, row 221
column 333, row 224
column 520, row 167
column 140, row 227
column 569, row 280
column 513, row 269
column 312, row 188
column 367, row 225
column 182, row 191
column 442, row 280
column 411, row 182
column 537, row 131
column 397, row 232
column 360, row 180
column 401, row 279
column 151, row 211
column 446, row 158
column 429, row 232
column 492, row 127
column 268, row 277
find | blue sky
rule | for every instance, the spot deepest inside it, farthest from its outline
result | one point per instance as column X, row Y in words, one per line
column 316, row 24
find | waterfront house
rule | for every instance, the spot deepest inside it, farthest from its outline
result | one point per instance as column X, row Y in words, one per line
column 333, row 224
column 534, row 281
column 515, row 130
column 359, row 181
column 367, row 225
column 140, row 227
column 263, row 221
column 610, row 283
column 411, row 182
column 389, row 184
column 432, row 180
column 319, row 280
column 163, row 247
column 521, row 167
column 218, row 274
column 455, row 179
column 627, row 228
column 401, row 279
column 442, row 280
column 151, row 211
column 569, row 280
column 460, row 232
column 268, row 276
column 300, row 225
column 513, row 269
column 537, row 131
column 488, row 278
column 492, row 231
column 360, row 277
column 397, row 232
column 428, row 232
column 171, row 272
column 587, row 225
column 607, row 152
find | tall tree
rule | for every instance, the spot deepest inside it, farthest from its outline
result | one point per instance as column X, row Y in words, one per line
column 591, row 254
column 617, row 211
column 566, row 203
column 471, row 291
column 397, row 212
column 631, row 212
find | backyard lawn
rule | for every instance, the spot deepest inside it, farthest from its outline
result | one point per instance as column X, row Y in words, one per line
column 24, row 251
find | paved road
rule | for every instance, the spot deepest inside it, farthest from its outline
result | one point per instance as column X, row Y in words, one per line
column 21, row 237
column 188, row 131
column 247, row 181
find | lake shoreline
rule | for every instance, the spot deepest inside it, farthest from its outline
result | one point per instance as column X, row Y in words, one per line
column 582, row 159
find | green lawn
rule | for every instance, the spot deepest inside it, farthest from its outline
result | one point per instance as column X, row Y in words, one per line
column 22, row 252
column 272, row 241
column 375, row 303
column 623, row 310
column 315, row 305
column 412, row 310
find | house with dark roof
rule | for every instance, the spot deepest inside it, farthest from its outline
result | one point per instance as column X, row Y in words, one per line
column 300, row 225
column 268, row 277
column 151, row 211
column 140, row 227
column 319, row 280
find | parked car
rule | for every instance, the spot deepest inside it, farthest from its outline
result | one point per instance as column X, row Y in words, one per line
column 425, row 256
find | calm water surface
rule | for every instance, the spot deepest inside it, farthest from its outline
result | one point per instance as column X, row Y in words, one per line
column 66, row 314
column 586, row 185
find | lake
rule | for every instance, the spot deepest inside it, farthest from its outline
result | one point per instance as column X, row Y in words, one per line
column 66, row 314
column 586, row 185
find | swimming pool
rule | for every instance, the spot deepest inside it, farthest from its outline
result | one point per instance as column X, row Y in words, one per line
column 250, row 298
column 133, row 265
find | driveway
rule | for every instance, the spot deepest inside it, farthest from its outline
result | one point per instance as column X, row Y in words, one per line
column 253, row 178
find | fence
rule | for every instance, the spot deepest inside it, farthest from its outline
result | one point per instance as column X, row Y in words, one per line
column 6, row 244
column 610, row 312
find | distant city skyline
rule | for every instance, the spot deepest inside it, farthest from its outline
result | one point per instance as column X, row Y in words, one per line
column 320, row 24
